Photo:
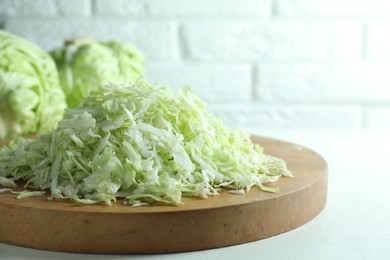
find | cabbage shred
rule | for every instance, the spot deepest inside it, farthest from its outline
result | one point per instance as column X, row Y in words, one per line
column 143, row 143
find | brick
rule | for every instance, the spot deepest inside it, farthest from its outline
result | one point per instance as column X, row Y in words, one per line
column 378, row 40
column 377, row 117
column 182, row 8
column 331, row 8
column 44, row 8
column 278, row 40
column 214, row 83
column 256, row 117
column 324, row 82
column 157, row 40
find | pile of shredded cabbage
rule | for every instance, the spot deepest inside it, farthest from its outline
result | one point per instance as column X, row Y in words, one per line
column 142, row 143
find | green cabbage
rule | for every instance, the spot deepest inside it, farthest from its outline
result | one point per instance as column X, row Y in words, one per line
column 143, row 143
column 31, row 99
column 83, row 63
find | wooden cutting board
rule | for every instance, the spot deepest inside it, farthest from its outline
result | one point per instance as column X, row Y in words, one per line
column 218, row 221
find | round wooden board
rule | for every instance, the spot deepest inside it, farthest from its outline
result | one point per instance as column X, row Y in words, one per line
column 218, row 221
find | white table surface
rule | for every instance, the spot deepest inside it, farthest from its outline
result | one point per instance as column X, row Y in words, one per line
column 355, row 223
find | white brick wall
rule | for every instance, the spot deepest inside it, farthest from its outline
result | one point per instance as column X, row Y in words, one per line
column 44, row 8
column 332, row 8
column 265, row 41
column 275, row 64
column 378, row 40
column 327, row 83
column 215, row 83
column 182, row 8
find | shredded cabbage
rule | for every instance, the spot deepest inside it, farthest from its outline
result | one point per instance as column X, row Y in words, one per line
column 143, row 143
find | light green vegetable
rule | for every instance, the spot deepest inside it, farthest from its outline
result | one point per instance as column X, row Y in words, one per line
column 31, row 99
column 83, row 63
column 142, row 143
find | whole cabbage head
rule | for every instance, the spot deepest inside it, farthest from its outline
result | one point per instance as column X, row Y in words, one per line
column 83, row 63
column 31, row 99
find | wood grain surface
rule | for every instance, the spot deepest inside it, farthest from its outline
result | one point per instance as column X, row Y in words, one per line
column 199, row 224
